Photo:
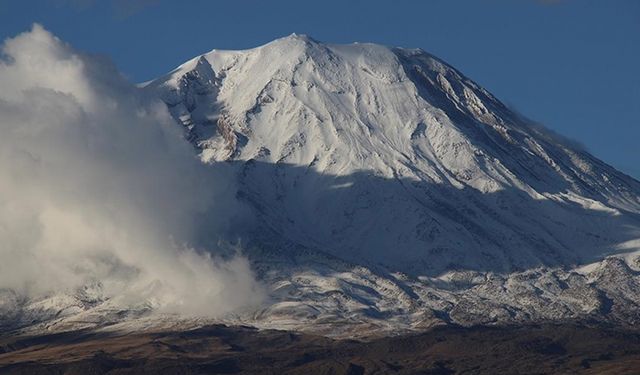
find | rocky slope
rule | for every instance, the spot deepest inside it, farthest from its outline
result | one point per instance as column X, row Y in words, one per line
column 545, row 349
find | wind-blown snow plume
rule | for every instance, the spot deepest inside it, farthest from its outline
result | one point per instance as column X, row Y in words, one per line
column 98, row 185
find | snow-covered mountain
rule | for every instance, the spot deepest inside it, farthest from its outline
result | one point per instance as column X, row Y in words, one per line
column 392, row 192
column 391, row 156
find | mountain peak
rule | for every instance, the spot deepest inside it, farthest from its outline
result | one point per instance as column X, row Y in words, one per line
column 445, row 157
column 296, row 36
column 292, row 39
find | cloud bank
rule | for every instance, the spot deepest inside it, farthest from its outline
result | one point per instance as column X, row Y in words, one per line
column 97, row 185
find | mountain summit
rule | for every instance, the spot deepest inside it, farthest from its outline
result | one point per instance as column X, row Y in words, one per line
column 391, row 156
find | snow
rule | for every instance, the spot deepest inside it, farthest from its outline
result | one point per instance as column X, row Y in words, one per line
column 407, row 151
column 392, row 192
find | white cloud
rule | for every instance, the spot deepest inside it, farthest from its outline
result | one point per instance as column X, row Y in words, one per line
column 97, row 184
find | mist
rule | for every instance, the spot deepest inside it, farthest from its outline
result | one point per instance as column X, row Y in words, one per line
column 98, row 186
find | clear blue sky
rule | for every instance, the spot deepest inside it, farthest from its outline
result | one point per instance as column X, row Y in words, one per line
column 574, row 66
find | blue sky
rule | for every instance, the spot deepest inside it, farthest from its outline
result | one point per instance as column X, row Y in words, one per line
column 570, row 65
